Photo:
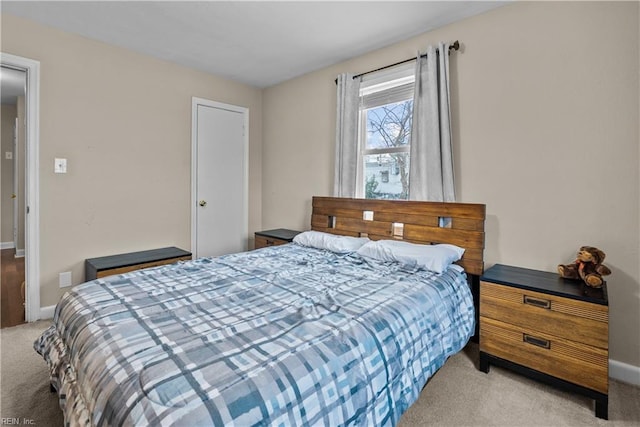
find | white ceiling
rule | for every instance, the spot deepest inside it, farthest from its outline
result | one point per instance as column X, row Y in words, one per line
column 260, row 43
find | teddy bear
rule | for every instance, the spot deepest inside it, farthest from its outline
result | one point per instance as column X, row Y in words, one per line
column 587, row 266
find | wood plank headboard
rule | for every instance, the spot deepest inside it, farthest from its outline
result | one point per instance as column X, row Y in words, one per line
column 412, row 221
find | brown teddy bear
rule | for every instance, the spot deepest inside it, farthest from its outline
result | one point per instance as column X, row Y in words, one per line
column 587, row 266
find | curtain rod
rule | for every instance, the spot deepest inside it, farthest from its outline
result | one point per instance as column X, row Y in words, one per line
column 454, row 46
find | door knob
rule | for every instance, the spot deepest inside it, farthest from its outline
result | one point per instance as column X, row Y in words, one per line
column 202, row 203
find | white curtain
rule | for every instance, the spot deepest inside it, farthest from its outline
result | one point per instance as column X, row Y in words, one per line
column 347, row 163
column 431, row 169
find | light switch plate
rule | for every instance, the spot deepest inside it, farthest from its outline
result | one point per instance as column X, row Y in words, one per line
column 8, row 155
column 60, row 166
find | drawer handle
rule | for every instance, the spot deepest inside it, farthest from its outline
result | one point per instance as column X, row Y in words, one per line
column 270, row 242
column 539, row 342
column 542, row 303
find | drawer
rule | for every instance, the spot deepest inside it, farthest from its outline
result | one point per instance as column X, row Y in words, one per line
column 574, row 320
column 574, row 362
column 128, row 268
column 263, row 242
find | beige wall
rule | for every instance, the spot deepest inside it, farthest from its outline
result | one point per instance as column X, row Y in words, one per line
column 8, row 113
column 545, row 112
column 123, row 121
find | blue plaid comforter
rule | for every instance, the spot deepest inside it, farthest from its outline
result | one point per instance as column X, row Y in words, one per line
column 282, row 336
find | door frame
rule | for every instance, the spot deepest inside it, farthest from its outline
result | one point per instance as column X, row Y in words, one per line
column 32, row 180
column 15, row 184
column 195, row 102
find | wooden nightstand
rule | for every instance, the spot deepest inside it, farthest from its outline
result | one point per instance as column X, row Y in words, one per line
column 548, row 328
column 123, row 263
column 279, row 236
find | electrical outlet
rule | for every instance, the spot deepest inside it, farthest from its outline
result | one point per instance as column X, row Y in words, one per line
column 65, row 279
column 8, row 155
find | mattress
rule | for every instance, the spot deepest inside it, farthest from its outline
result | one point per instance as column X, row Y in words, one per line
column 280, row 336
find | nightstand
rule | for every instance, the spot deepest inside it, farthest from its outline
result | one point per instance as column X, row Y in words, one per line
column 124, row 263
column 547, row 328
column 279, row 236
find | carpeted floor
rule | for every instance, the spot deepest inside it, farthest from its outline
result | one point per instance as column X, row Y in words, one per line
column 458, row 395
column 24, row 378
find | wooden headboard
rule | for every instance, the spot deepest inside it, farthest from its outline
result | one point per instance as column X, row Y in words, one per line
column 412, row 221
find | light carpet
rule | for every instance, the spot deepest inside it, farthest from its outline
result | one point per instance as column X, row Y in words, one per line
column 458, row 395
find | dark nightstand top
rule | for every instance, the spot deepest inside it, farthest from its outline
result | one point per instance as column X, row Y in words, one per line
column 279, row 233
column 543, row 281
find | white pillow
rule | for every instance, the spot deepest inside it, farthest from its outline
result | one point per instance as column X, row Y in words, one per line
column 331, row 242
column 436, row 258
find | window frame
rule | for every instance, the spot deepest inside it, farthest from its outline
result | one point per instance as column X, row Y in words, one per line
column 395, row 85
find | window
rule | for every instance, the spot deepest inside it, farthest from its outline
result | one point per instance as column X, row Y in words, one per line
column 386, row 106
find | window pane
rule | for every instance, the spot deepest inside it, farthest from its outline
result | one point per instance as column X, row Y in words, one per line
column 386, row 176
column 389, row 125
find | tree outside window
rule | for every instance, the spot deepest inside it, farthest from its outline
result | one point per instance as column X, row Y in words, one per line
column 386, row 150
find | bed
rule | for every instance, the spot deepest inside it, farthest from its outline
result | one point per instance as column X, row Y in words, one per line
column 297, row 334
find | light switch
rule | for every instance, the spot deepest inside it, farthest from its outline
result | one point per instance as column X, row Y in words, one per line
column 8, row 155
column 60, row 166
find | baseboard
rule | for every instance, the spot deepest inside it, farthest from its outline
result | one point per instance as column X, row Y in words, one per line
column 19, row 253
column 47, row 312
column 624, row 372
column 7, row 245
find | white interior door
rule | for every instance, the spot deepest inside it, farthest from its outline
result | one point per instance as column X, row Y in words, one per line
column 220, row 182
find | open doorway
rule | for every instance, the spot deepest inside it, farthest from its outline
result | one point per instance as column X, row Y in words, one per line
column 25, row 236
column 12, row 196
